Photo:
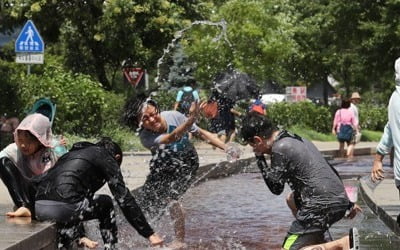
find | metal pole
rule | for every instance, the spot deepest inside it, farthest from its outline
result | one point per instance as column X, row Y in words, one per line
column 28, row 69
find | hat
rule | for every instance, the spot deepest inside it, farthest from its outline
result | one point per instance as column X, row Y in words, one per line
column 355, row 95
column 39, row 126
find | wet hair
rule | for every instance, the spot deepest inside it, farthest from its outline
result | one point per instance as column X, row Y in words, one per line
column 134, row 108
column 254, row 124
column 112, row 147
column 345, row 104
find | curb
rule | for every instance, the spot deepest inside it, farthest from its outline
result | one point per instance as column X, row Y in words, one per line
column 387, row 213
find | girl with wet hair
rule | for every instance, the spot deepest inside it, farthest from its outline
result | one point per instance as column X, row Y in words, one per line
column 175, row 161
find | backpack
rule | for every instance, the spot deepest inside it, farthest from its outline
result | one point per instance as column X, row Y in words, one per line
column 345, row 133
column 257, row 106
column 186, row 102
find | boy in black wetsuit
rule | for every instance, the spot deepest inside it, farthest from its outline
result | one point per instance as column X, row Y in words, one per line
column 66, row 194
column 318, row 193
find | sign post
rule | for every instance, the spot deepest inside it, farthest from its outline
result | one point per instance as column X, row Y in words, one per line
column 29, row 46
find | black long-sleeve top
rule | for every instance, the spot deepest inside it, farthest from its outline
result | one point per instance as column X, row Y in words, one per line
column 84, row 170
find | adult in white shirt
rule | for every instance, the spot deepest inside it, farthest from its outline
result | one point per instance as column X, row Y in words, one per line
column 355, row 100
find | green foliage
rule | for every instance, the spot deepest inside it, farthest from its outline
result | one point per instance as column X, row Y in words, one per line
column 165, row 99
column 304, row 114
column 368, row 135
column 372, row 117
column 257, row 40
column 94, row 37
column 10, row 103
column 181, row 72
column 82, row 104
column 311, row 134
column 318, row 119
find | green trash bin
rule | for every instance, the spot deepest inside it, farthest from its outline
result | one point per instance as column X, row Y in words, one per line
column 45, row 107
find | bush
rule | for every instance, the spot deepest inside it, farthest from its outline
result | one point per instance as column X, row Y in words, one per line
column 372, row 117
column 10, row 102
column 320, row 118
column 83, row 105
column 304, row 114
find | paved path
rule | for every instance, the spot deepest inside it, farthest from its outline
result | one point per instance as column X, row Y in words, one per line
column 21, row 234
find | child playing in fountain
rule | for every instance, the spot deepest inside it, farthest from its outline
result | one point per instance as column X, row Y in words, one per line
column 31, row 155
column 175, row 161
column 66, row 194
column 319, row 196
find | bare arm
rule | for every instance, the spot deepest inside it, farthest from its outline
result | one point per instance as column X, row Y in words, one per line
column 210, row 138
column 235, row 112
column 184, row 127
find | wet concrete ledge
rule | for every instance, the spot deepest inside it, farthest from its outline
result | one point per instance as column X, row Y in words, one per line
column 383, row 200
column 35, row 235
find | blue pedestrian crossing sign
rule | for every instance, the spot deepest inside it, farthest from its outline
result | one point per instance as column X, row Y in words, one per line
column 29, row 40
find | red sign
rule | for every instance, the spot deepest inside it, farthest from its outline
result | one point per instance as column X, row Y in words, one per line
column 134, row 75
column 296, row 93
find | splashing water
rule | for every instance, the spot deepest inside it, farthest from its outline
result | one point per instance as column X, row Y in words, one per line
column 233, row 152
column 180, row 33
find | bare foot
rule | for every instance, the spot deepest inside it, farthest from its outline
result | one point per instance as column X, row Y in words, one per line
column 20, row 212
column 86, row 242
column 176, row 244
column 19, row 220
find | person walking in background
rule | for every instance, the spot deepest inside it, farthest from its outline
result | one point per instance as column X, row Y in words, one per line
column 355, row 99
column 258, row 106
column 174, row 160
column 319, row 196
column 185, row 96
column 344, row 124
column 391, row 137
column 223, row 125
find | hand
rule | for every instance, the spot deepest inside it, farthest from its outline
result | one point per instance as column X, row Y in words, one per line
column 353, row 211
column 156, row 240
column 63, row 141
column 377, row 172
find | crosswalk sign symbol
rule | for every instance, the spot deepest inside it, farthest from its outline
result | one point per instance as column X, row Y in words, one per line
column 29, row 40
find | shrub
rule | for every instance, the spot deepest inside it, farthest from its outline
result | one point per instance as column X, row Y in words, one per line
column 83, row 105
column 304, row 114
column 372, row 117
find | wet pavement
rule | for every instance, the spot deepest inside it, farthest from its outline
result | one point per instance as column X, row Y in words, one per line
column 14, row 234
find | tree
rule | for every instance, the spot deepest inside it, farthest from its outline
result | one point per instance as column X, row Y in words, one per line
column 94, row 37
column 181, row 72
column 256, row 40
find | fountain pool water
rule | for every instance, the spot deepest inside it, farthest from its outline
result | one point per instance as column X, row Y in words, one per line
column 239, row 212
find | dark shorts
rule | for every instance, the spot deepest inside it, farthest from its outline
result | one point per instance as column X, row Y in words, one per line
column 309, row 228
column 171, row 174
column 297, row 241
